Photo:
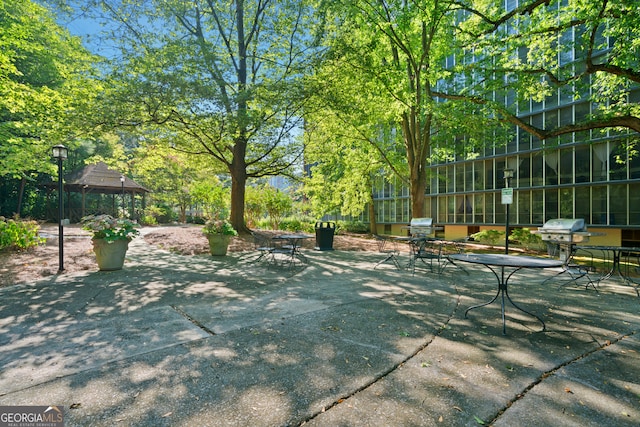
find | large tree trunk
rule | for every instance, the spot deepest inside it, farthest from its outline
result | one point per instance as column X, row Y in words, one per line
column 238, row 186
column 239, row 163
column 417, row 143
column 418, row 186
column 373, row 223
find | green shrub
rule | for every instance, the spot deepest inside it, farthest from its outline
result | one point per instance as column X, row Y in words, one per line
column 148, row 220
column 192, row 219
column 358, row 227
column 162, row 214
column 488, row 237
column 524, row 237
column 292, row 224
column 18, row 234
column 307, row 224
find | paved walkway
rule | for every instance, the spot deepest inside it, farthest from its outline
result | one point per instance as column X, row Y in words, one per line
column 196, row 341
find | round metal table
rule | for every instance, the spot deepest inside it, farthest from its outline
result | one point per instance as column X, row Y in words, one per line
column 498, row 262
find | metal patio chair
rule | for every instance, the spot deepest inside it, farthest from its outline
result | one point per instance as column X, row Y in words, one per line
column 387, row 247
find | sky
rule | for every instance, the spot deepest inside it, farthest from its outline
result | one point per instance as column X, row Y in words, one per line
column 88, row 30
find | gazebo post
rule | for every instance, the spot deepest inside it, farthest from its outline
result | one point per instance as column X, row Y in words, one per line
column 84, row 199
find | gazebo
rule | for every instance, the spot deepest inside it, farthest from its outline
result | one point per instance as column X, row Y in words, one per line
column 99, row 179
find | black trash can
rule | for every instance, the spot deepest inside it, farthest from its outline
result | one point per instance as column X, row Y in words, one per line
column 324, row 235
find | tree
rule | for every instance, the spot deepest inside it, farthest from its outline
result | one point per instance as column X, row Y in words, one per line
column 396, row 52
column 45, row 82
column 350, row 138
column 530, row 51
column 176, row 180
column 347, row 159
column 445, row 70
column 277, row 205
column 219, row 78
column 254, row 205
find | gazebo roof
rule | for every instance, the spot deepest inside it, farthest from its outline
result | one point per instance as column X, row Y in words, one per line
column 98, row 177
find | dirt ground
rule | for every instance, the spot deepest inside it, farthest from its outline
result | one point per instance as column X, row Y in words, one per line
column 43, row 261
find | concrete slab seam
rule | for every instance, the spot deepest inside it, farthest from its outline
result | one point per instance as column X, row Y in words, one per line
column 391, row 369
column 552, row 371
column 192, row 320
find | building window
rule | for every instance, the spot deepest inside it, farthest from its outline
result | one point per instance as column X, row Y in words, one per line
column 478, row 208
column 459, row 173
column 601, row 154
column 537, row 168
column 451, row 209
column 583, row 163
column 488, row 173
column 524, row 207
column 618, row 205
column 551, row 205
column 634, row 204
column 478, row 176
column 583, row 203
column 599, row 205
column 566, row 166
column 442, row 209
column 537, row 207
column 490, row 216
column 551, row 167
column 618, row 166
column 634, row 162
column 566, row 203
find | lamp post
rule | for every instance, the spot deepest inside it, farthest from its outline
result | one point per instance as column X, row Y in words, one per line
column 507, row 199
column 60, row 152
column 122, row 183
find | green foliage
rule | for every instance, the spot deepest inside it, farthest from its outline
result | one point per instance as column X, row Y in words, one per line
column 292, row 223
column 159, row 214
column 45, row 84
column 109, row 228
column 196, row 220
column 16, row 234
column 524, row 237
column 218, row 226
column 221, row 81
column 148, row 220
column 277, row 204
column 212, row 196
column 263, row 224
column 307, row 224
column 254, row 205
column 177, row 180
column 358, row 227
column 488, row 237
column 297, row 223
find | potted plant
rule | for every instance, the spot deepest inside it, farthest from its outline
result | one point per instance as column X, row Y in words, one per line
column 219, row 233
column 110, row 238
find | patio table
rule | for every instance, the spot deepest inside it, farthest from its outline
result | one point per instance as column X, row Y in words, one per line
column 498, row 262
column 291, row 245
column 430, row 250
column 617, row 254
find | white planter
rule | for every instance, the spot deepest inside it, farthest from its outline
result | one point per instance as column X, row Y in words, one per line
column 110, row 256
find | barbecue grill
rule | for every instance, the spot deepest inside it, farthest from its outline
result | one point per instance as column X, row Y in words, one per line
column 564, row 232
column 421, row 227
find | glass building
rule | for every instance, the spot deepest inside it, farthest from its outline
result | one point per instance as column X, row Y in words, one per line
column 593, row 175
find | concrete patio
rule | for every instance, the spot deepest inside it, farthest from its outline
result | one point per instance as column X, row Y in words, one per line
column 194, row 340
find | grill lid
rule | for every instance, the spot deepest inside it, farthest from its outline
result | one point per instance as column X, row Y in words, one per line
column 421, row 222
column 564, row 224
